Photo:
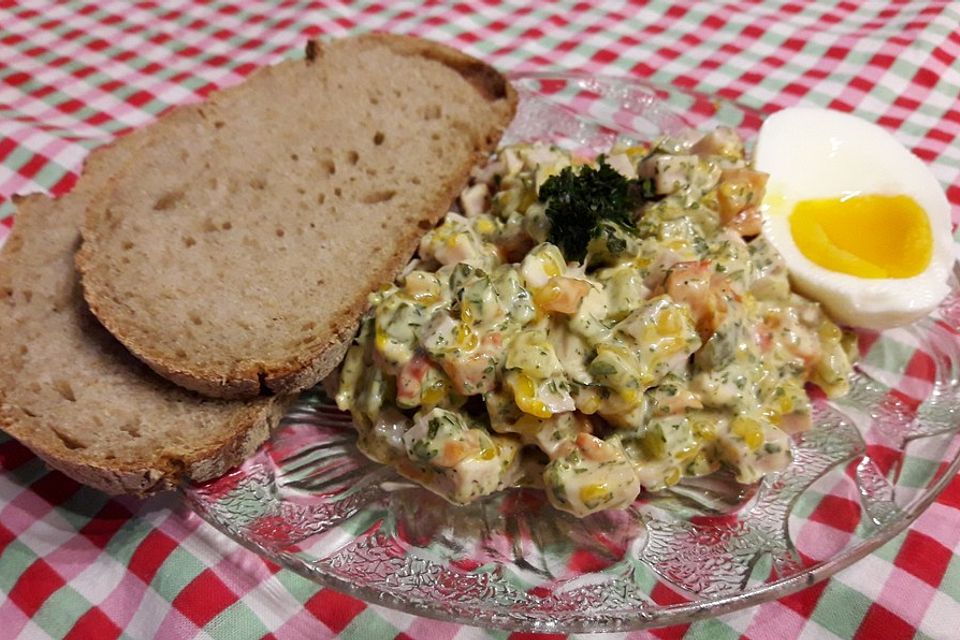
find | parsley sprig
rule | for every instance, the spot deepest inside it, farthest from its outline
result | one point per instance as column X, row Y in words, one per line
column 578, row 202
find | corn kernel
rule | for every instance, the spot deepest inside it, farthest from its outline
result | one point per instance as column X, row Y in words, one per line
column 749, row 429
column 534, row 407
column 701, row 465
column 527, row 426
column 668, row 323
column 687, row 453
column 528, row 198
column 432, row 395
column 667, row 346
column 488, row 453
column 588, row 401
column 422, row 287
column 705, row 430
column 829, row 332
column 381, row 339
column 485, row 226
column 426, row 297
column 785, row 404
column 467, row 337
column 593, row 494
column 550, row 265
column 547, row 294
column 613, row 349
column 524, row 394
column 672, row 477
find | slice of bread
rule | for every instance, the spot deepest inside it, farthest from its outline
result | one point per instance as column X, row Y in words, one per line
column 235, row 253
column 73, row 394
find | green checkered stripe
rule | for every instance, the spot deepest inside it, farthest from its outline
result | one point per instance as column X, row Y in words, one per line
column 74, row 75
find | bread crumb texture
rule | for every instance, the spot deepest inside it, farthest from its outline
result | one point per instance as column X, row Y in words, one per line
column 73, row 394
column 234, row 254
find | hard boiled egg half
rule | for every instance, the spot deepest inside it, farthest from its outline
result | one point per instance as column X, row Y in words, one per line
column 861, row 222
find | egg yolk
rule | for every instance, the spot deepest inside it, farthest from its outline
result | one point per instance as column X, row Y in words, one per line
column 869, row 236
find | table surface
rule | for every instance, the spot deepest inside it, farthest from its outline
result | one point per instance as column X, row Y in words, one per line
column 75, row 563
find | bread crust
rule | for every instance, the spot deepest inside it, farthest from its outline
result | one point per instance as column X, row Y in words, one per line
column 66, row 385
column 251, row 429
column 308, row 365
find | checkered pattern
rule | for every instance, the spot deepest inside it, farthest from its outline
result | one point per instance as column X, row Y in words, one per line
column 74, row 75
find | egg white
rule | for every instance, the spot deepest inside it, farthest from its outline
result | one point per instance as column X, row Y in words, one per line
column 817, row 153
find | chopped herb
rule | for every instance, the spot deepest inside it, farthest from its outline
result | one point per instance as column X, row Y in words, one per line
column 578, row 202
column 421, row 450
column 602, row 368
column 615, row 244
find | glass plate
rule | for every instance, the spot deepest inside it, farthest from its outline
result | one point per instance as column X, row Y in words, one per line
column 308, row 500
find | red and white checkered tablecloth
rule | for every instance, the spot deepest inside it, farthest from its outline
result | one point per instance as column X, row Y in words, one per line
column 74, row 563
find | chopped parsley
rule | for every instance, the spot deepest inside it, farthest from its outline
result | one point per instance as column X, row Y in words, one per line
column 577, row 203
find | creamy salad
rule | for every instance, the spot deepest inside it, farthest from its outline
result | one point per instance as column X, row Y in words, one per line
column 595, row 327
